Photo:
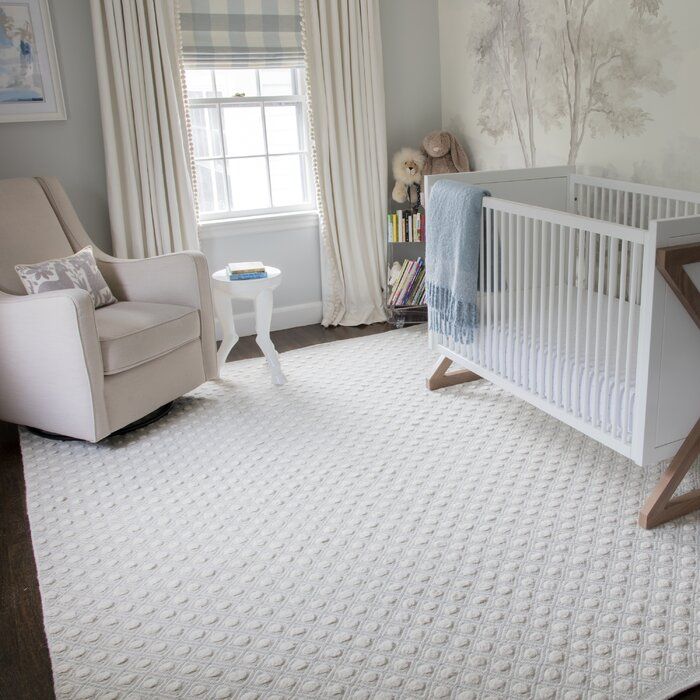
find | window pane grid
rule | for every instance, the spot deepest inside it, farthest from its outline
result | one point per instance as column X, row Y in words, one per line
column 255, row 169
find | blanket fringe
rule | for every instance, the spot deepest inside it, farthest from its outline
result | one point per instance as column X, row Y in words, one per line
column 449, row 316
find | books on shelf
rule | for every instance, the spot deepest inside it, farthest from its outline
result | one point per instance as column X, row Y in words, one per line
column 409, row 288
column 246, row 271
column 406, row 226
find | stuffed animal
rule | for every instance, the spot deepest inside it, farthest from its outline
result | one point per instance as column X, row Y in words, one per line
column 444, row 154
column 394, row 273
column 408, row 172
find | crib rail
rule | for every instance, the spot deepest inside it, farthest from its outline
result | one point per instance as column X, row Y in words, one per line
column 559, row 311
column 628, row 203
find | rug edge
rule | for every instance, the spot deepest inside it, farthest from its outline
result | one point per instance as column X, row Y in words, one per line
column 669, row 689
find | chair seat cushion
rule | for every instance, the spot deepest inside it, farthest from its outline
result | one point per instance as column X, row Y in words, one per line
column 134, row 332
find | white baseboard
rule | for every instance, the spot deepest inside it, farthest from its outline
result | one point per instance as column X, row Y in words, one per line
column 282, row 317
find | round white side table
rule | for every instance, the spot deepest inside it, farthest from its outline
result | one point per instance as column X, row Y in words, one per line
column 260, row 292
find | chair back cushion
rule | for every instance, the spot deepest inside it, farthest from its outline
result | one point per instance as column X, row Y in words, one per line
column 30, row 232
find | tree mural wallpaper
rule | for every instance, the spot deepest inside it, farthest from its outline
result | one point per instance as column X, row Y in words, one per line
column 583, row 66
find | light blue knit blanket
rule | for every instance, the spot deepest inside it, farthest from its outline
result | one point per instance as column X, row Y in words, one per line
column 452, row 259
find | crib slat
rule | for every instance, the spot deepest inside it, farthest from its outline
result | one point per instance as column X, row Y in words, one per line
column 545, row 282
column 631, row 340
column 528, row 287
column 602, row 248
column 549, row 364
column 579, row 281
column 502, row 295
column 622, row 288
column 588, row 338
column 489, row 291
column 594, row 212
column 519, row 287
column 570, row 286
column 533, row 278
column 496, row 288
column 510, row 343
column 481, row 310
column 612, row 290
column 560, row 358
column 497, row 252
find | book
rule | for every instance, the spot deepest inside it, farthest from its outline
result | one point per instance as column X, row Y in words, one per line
column 397, row 284
column 409, row 288
column 406, row 226
column 244, row 268
column 247, row 276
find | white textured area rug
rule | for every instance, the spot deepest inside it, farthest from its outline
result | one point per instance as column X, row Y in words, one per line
column 352, row 535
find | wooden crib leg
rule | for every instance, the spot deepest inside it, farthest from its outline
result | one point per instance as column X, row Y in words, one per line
column 661, row 506
column 440, row 378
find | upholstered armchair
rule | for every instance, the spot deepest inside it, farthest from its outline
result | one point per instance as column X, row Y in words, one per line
column 81, row 372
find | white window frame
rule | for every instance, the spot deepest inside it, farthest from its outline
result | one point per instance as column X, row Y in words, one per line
column 298, row 100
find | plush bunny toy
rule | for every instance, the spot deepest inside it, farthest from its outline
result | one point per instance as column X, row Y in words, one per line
column 444, row 154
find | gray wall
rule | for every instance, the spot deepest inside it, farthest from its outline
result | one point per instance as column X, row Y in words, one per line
column 411, row 48
column 71, row 150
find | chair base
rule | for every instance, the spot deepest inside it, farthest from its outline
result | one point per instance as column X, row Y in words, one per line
column 149, row 418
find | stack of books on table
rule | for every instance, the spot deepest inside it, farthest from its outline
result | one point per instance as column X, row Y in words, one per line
column 406, row 227
column 409, row 289
column 246, row 271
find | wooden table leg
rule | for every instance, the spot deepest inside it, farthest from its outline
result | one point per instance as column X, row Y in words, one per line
column 263, row 320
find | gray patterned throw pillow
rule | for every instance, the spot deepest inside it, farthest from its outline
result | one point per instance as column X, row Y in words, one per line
column 77, row 271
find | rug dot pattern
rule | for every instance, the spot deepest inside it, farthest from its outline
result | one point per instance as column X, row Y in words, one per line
column 353, row 535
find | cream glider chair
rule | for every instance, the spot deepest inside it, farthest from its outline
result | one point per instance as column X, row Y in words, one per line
column 67, row 368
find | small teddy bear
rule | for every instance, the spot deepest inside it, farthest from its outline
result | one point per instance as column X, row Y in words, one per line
column 408, row 167
column 443, row 154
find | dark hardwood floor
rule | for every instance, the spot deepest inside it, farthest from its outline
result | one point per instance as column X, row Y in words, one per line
column 25, row 668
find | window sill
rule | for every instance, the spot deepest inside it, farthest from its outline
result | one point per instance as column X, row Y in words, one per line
column 267, row 223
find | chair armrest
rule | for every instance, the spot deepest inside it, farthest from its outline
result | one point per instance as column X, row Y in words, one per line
column 51, row 370
column 176, row 278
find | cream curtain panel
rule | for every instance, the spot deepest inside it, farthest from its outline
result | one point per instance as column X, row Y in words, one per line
column 150, row 189
column 346, row 93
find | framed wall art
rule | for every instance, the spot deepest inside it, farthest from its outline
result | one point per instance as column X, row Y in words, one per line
column 30, row 83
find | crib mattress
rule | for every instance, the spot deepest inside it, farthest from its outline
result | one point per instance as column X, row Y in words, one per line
column 573, row 376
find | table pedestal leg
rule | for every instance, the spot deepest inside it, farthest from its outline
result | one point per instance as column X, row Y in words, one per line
column 224, row 312
column 263, row 319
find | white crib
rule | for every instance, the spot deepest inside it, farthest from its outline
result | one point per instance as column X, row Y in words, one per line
column 575, row 318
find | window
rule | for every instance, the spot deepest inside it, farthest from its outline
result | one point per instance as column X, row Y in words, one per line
column 250, row 141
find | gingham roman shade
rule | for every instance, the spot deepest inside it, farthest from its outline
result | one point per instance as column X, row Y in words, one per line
column 241, row 33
